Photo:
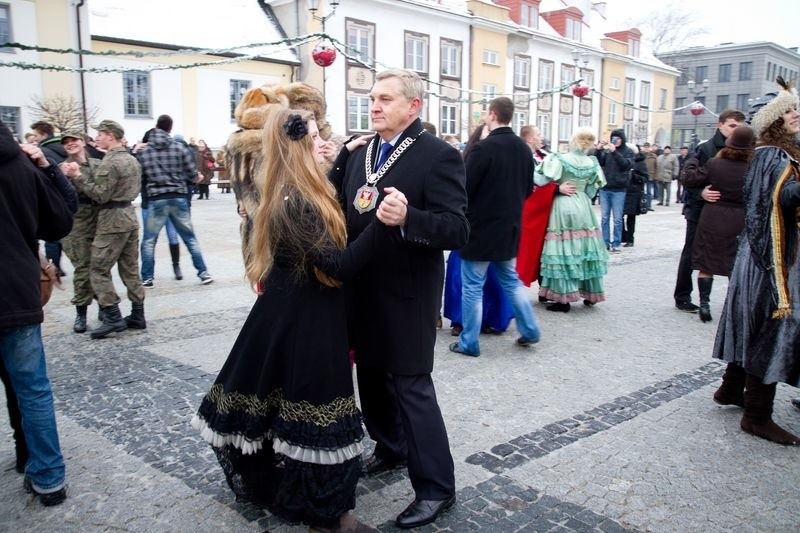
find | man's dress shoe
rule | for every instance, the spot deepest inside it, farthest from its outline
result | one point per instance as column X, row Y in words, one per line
column 422, row 512
column 375, row 465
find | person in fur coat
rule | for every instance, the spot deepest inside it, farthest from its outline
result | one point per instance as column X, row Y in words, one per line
column 243, row 149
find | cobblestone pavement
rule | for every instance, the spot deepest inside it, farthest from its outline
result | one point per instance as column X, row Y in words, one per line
column 606, row 425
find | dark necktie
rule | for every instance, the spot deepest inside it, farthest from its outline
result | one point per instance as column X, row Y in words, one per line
column 384, row 155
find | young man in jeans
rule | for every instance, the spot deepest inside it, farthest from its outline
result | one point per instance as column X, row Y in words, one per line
column 616, row 159
column 38, row 204
column 167, row 169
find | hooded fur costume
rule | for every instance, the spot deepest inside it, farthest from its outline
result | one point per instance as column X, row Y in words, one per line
column 243, row 151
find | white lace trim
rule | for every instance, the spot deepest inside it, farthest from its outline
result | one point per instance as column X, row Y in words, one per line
column 293, row 451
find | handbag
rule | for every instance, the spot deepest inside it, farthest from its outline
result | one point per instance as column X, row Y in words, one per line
column 48, row 278
column 643, row 204
column 210, row 165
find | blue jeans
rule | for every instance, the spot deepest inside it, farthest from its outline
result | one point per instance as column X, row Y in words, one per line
column 159, row 211
column 611, row 201
column 652, row 192
column 473, row 276
column 172, row 233
column 23, row 355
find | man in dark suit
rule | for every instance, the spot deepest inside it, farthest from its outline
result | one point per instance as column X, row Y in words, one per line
column 413, row 181
column 499, row 179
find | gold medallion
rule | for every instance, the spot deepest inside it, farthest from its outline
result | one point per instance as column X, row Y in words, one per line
column 366, row 198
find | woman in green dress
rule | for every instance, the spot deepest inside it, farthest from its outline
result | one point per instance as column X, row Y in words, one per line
column 574, row 257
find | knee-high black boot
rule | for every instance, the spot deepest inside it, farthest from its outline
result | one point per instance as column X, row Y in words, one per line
column 175, row 252
column 704, row 288
column 757, row 417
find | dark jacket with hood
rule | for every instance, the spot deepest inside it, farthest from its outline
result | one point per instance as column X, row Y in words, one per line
column 34, row 204
column 617, row 164
column 53, row 149
column 166, row 167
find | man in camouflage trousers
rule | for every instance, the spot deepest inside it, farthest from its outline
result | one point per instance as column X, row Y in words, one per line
column 117, row 181
column 78, row 244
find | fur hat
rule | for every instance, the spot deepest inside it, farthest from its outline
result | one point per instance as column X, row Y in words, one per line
column 256, row 104
column 741, row 138
column 768, row 108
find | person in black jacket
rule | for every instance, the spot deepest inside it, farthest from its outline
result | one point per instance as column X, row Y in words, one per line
column 729, row 120
column 616, row 159
column 395, row 298
column 633, row 196
column 37, row 204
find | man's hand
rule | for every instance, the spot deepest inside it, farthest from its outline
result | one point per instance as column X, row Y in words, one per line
column 710, row 195
column 393, row 210
column 36, row 155
column 567, row 188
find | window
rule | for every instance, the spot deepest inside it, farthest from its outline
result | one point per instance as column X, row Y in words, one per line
column 567, row 75
column 725, row 72
column 360, row 37
column 588, row 78
column 700, row 74
column 519, row 120
column 564, row 127
column 614, row 83
column 684, row 77
column 745, row 71
column 741, row 102
column 722, row 102
column 628, row 129
column 644, row 95
column 529, row 16
column 416, row 52
column 543, row 123
column 630, row 91
column 770, row 66
column 612, row 113
column 489, row 92
column 633, row 47
column 448, row 119
column 490, row 57
column 11, row 117
column 545, row 75
column 451, row 59
column 679, row 103
column 662, row 98
column 136, row 93
column 238, row 88
column 574, row 28
column 358, row 112
column 5, row 27
column 584, row 122
column 522, row 69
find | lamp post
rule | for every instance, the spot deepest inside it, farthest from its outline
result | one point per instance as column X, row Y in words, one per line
column 697, row 108
column 583, row 57
column 323, row 53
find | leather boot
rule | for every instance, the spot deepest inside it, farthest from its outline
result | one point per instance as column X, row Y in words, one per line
column 136, row 319
column 704, row 287
column 757, row 417
column 731, row 392
column 175, row 252
column 80, row 319
column 112, row 321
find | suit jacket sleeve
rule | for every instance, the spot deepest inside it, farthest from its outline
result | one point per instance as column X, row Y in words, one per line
column 441, row 222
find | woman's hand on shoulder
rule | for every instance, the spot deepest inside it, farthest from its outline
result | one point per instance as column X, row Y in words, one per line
column 359, row 141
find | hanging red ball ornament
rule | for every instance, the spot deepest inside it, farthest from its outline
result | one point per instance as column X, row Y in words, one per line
column 324, row 54
column 580, row 90
column 697, row 109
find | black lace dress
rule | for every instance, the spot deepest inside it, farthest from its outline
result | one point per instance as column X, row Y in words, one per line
column 282, row 416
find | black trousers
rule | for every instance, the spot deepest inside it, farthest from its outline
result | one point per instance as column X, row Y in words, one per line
column 628, row 228
column 14, row 416
column 683, row 283
column 402, row 415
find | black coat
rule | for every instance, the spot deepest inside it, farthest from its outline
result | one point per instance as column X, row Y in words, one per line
column 694, row 203
column 499, row 178
column 32, row 207
column 639, row 177
column 394, row 301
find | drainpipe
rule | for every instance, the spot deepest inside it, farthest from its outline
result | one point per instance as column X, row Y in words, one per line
column 471, row 78
column 80, row 64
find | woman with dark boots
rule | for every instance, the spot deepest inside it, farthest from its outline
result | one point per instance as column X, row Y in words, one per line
column 760, row 322
column 721, row 221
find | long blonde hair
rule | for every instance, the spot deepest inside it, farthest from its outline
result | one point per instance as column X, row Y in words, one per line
column 291, row 178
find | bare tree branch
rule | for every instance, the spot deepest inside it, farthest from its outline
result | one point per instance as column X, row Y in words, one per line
column 670, row 28
column 63, row 112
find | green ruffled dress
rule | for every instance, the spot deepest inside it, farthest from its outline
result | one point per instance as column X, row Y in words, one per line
column 574, row 258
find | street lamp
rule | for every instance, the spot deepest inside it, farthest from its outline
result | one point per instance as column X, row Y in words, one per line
column 313, row 7
column 697, row 108
column 581, row 89
column 324, row 53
